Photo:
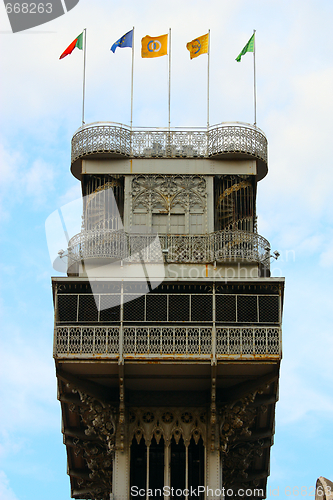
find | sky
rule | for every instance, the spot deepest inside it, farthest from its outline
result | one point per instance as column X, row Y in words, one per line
column 40, row 106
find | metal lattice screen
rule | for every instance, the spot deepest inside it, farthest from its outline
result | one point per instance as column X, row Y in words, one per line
column 164, row 308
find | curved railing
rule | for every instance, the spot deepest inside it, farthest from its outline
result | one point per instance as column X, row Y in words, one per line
column 118, row 139
column 219, row 246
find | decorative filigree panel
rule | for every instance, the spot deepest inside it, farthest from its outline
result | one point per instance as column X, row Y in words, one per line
column 172, row 341
column 248, row 341
column 237, row 422
column 148, row 341
column 167, row 191
column 95, row 445
column 170, row 423
column 92, row 341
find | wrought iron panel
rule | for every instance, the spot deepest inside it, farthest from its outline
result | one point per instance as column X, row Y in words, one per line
column 222, row 341
column 61, row 341
column 273, row 342
column 248, row 342
column 75, row 340
column 87, row 341
column 175, row 341
column 260, row 341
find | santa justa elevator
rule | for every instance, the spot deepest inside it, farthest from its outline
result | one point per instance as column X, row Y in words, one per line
column 167, row 338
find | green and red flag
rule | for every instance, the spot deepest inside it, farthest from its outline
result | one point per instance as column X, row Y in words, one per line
column 78, row 42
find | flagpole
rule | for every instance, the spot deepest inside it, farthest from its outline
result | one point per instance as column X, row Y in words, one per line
column 169, row 97
column 208, row 80
column 84, row 74
column 132, row 80
column 254, row 78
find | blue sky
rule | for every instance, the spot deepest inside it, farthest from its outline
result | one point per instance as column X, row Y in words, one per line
column 40, row 103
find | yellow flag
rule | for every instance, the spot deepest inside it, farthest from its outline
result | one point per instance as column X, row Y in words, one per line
column 154, row 46
column 198, row 46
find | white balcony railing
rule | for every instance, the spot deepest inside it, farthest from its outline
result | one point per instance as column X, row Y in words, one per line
column 219, row 246
column 118, row 139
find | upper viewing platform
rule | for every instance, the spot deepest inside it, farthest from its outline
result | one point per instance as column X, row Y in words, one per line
column 222, row 141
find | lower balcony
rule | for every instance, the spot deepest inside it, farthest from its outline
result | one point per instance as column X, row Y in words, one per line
column 220, row 246
column 168, row 342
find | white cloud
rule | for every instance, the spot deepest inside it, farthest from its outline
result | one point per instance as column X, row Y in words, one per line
column 73, row 193
column 29, row 374
column 6, row 493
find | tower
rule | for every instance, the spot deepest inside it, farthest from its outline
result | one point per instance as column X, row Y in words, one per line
column 167, row 339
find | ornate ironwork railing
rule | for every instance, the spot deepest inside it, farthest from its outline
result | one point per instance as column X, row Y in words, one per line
column 169, row 341
column 218, row 246
column 118, row 139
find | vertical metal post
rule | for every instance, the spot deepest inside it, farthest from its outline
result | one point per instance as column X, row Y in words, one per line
column 208, row 84
column 121, row 330
column 84, row 73
column 167, row 468
column 55, row 334
column 254, row 78
column 147, row 476
column 169, row 97
column 186, row 467
column 214, row 328
column 132, row 85
column 206, row 478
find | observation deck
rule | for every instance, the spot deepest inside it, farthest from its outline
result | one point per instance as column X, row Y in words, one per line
column 222, row 141
column 197, row 322
column 220, row 246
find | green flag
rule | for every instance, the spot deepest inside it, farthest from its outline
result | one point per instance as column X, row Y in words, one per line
column 249, row 47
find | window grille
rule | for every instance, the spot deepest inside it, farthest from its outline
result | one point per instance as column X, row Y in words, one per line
column 201, row 308
column 225, row 308
column 67, row 308
column 87, row 308
column 179, row 308
column 269, row 309
column 156, row 307
column 175, row 307
column 134, row 308
column 247, row 309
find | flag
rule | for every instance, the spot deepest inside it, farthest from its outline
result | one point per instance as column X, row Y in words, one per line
column 125, row 41
column 249, row 47
column 198, row 46
column 78, row 42
column 154, row 46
